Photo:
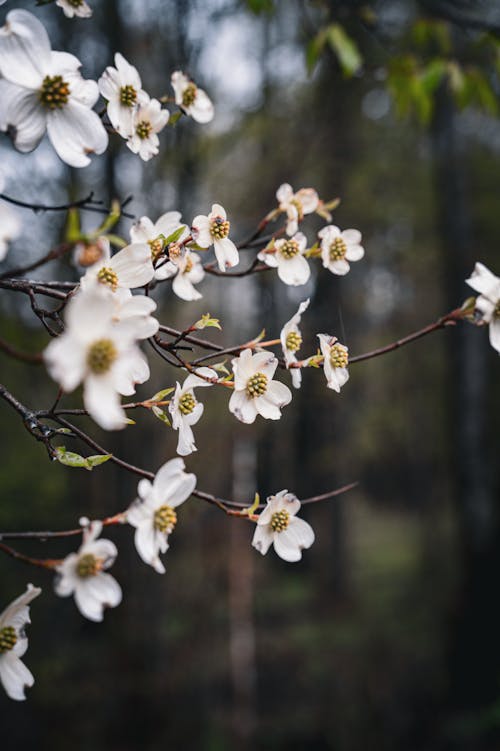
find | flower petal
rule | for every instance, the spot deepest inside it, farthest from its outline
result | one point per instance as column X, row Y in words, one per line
column 75, row 132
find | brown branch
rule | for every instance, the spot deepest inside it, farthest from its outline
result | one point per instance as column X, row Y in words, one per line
column 35, row 358
column 41, row 563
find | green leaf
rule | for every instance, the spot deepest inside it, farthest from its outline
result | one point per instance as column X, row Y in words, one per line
column 161, row 415
column 175, row 235
column 260, row 6
column 97, row 459
column 220, row 367
column 175, row 117
column 207, row 321
column 73, row 231
column 70, row 459
column 314, row 49
column 345, row 48
column 160, row 395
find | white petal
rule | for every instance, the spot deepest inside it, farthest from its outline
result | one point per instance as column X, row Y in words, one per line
column 226, row 253
column 183, row 288
column 290, row 543
column 24, row 49
column 76, row 132
column 294, row 271
column 103, row 403
column 485, row 282
column 146, row 543
column 494, row 330
column 242, row 407
column 354, row 253
column 262, row 539
column 202, row 109
column 22, row 115
column 185, row 443
column 95, row 593
column 352, row 236
column 338, row 267
column 201, row 231
column 14, row 676
column 284, row 193
column 133, row 265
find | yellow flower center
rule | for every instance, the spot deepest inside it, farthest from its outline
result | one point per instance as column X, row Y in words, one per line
column 107, row 276
column 280, row 520
column 174, row 251
column 289, row 249
column 189, row 265
column 338, row 249
column 143, row 129
column 293, row 341
column 338, row 356
column 156, row 248
column 8, row 639
column 257, row 385
column 219, row 228
column 101, row 356
column 187, row 403
column 88, row 565
column 165, row 519
column 54, row 93
column 189, row 95
column 75, row 3
column 128, row 95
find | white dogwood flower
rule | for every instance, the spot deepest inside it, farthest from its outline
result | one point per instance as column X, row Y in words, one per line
column 291, row 342
column 101, row 353
column 43, row 90
column 148, row 119
column 83, row 574
column 14, row 675
column 192, row 100
column 155, row 234
column 186, row 410
column 187, row 271
column 122, row 88
column 153, row 513
column 338, row 248
column 278, row 525
column 335, row 360
column 288, row 257
column 214, row 230
column 296, row 205
column 73, row 8
column 487, row 284
column 255, row 393
column 131, row 267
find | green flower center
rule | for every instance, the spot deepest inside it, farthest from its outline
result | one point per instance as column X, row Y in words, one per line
column 219, row 228
column 289, row 249
column 338, row 249
column 189, row 95
column 54, row 93
column 156, row 248
column 257, row 385
column 128, row 95
column 280, row 520
column 101, row 356
column 88, row 565
column 107, row 276
column 8, row 638
column 338, row 356
column 75, row 3
column 293, row 341
column 144, row 129
column 165, row 519
column 187, row 403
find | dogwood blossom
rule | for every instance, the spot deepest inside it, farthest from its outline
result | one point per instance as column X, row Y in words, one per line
column 338, row 248
column 101, row 353
column 148, row 119
column 487, row 284
column 43, row 90
column 73, row 8
column 335, row 359
column 255, row 393
column 82, row 574
column 288, row 257
column 187, row 271
column 291, row 342
column 186, row 410
column 296, row 205
column 278, row 525
column 155, row 234
column 122, row 88
column 192, row 100
column 214, row 230
column 129, row 268
column 153, row 512
column 14, row 675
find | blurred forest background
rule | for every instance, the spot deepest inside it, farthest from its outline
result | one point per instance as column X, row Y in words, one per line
column 387, row 634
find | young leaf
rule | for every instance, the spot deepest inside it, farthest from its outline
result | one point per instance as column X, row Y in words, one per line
column 345, row 48
column 161, row 415
column 206, row 320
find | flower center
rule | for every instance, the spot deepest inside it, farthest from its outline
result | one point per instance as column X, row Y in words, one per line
column 107, row 276
column 280, row 520
column 156, row 248
column 289, row 249
column 8, row 638
column 293, row 341
column 338, row 356
column 338, row 249
column 219, row 228
column 101, row 356
column 144, row 129
column 189, row 95
column 187, row 403
column 165, row 519
column 88, row 565
column 189, row 265
column 75, row 3
column 174, row 251
column 128, row 95
column 257, row 385
column 54, row 93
